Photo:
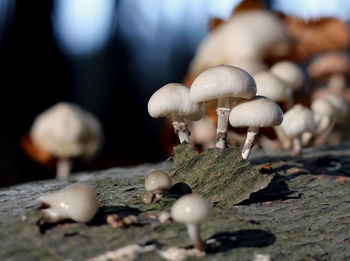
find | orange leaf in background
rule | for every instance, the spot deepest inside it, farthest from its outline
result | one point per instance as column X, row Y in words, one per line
column 37, row 154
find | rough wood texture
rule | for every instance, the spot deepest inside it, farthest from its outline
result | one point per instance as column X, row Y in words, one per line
column 304, row 214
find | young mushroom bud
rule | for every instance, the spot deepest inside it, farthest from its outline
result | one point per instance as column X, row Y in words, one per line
column 297, row 121
column 254, row 114
column 173, row 100
column 157, row 183
column 77, row 202
column 290, row 73
column 225, row 84
column 67, row 131
column 192, row 210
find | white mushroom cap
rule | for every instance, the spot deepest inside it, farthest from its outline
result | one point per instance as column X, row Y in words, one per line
column 340, row 105
column 272, row 87
column 323, row 107
column 257, row 112
column 66, row 130
column 290, row 73
column 77, row 202
column 298, row 120
column 157, row 181
column 191, row 209
column 249, row 35
column 174, row 98
column 222, row 81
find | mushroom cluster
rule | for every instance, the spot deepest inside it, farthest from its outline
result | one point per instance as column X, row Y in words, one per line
column 234, row 90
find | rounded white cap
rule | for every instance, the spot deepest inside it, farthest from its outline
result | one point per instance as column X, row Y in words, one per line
column 247, row 35
column 257, row 112
column 191, row 209
column 298, row 120
column 272, row 87
column 157, row 180
column 66, row 130
column 222, row 81
column 290, row 73
column 77, row 202
column 174, row 98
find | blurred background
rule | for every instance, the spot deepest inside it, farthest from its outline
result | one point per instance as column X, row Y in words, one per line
column 110, row 56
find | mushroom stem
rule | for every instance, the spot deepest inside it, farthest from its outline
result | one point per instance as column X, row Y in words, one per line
column 194, row 234
column 63, row 167
column 50, row 216
column 223, row 111
column 180, row 128
column 297, row 146
column 249, row 141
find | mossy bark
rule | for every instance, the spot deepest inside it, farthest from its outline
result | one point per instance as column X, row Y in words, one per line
column 222, row 176
column 303, row 214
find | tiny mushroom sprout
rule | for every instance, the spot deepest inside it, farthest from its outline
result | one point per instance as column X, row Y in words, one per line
column 254, row 114
column 297, row 121
column 67, row 131
column 192, row 210
column 77, row 202
column 157, row 183
column 173, row 100
column 223, row 83
column 290, row 73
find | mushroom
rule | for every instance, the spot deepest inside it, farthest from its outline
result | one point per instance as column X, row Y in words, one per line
column 248, row 36
column 157, row 183
column 254, row 114
column 147, row 197
column 290, row 73
column 223, row 83
column 203, row 132
column 67, row 131
column 327, row 110
column 192, row 210
column 173, row 100
column 297, row 121
column 271, row 86
column 77, row 202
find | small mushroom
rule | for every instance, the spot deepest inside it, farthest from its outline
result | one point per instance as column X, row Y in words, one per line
column 254, row 114
column 223, row 83
column 67, row 131
column 157, row 183
column 203, row 132
column 192, row 210
column 327, row 110
column 164, row 216
column 297, row 121
column 147, row 197
column 290, row 73
column 173, row 100
column 77, row 202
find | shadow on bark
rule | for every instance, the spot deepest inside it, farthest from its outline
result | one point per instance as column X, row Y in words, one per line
column 226, row 241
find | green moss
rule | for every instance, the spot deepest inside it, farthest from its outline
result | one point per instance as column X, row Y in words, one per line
column 222, row 176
